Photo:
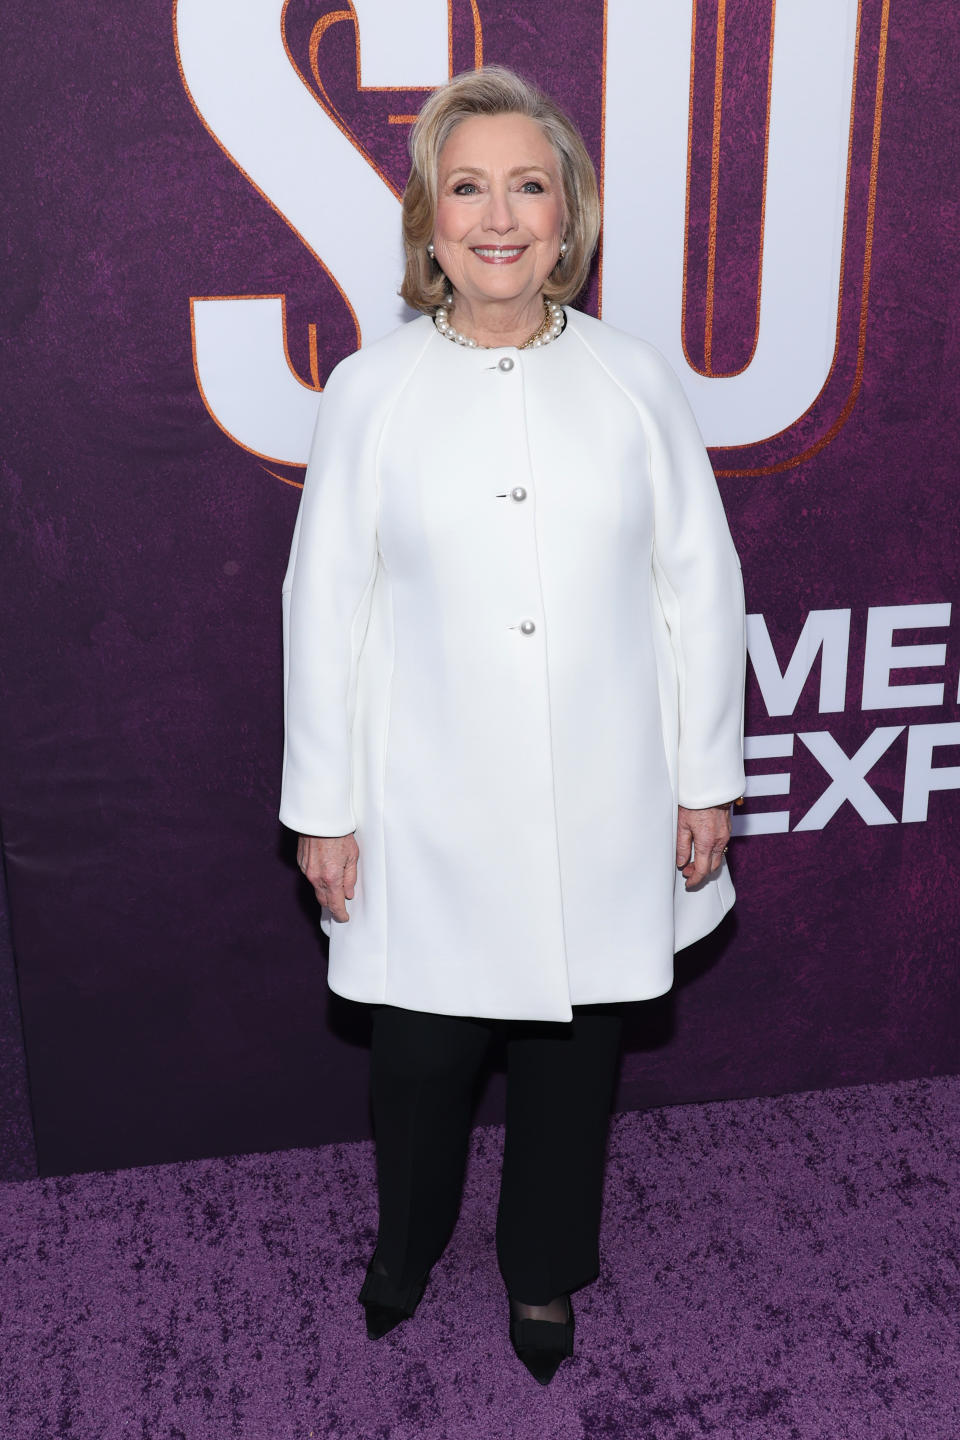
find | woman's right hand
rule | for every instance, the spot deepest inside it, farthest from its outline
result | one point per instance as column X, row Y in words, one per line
column 330, row 864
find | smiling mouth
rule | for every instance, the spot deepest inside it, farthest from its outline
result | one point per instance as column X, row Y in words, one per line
column 498, row 254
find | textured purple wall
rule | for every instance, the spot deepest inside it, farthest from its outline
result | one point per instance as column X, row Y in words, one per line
column 18, row 1159
column 170, row 967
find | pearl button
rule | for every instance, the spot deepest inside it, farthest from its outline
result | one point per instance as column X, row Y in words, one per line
column 518, row 493
column 527, row 626
column 506, row 363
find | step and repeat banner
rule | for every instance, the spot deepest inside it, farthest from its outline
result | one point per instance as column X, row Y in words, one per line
column 204, row 209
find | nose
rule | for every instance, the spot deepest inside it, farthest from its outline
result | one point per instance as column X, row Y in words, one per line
column 499, row 215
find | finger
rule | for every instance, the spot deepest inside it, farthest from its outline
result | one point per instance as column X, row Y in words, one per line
column 332, row 897
column 709, row 860
column 350, row 877
column 327, row 880
column 684, row 846
column 699, row 866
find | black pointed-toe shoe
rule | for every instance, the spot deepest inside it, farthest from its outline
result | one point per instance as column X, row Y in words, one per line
column 386, row 1304
column 542, row 1345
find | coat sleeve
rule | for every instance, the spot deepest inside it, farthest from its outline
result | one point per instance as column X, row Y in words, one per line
column 327, row 594
column 698, row 578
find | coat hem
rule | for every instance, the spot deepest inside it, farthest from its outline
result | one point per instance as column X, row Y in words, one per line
column 366, row 999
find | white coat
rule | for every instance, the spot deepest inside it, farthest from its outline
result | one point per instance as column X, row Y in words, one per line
column 514, row 641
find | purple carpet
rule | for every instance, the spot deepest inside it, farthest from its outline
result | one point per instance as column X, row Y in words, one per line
column 773, row 1268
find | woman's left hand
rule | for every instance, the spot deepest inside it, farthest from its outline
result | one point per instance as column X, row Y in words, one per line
column 702, row 837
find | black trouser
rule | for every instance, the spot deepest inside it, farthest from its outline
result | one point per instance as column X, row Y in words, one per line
column 559, row 1087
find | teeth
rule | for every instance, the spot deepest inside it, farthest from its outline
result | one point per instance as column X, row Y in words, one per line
column 516, row 250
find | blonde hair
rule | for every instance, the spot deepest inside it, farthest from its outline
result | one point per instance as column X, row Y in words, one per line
column 495, row 90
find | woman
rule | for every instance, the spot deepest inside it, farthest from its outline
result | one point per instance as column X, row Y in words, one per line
column 515, row 648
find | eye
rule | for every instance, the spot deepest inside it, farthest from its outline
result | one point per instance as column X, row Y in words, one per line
column 466, row 187
column 532, row 187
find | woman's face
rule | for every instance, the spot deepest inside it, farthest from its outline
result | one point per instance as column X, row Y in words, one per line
column 500, row 209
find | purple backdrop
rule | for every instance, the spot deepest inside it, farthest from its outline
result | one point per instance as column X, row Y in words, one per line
column 170, row 966
column 18, row 1160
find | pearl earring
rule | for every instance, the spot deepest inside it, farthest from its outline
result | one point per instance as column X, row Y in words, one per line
column 563, row 247
column 430, row 251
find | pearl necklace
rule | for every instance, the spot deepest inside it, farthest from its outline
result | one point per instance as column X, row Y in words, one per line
column 549, row 328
